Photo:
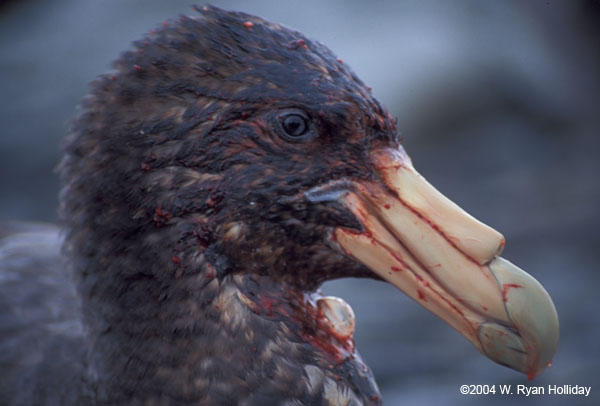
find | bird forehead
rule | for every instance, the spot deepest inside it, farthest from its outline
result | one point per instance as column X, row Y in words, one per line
column 252, row 60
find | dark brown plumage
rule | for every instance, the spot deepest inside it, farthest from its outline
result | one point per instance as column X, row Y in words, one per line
column 196, row 254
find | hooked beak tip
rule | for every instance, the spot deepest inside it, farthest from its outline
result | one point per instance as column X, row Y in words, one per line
column 531, row 344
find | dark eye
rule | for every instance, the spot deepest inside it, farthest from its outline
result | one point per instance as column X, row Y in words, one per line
column 295, row 126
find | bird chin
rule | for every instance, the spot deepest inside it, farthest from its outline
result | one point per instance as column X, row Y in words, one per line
column 446, row 260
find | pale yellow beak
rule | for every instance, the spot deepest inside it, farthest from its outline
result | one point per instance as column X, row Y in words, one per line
column 446, row 260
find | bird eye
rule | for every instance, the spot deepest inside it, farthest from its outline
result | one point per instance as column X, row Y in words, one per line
column 295, row 126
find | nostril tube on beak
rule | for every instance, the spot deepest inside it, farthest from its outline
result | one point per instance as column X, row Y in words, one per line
column 475, row 239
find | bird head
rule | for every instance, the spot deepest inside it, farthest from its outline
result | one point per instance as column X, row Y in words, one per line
column 223, row 144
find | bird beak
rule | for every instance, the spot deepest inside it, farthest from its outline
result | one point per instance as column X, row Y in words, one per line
column 436, row 253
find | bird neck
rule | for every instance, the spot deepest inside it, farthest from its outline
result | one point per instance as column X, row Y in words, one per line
column 171, row 339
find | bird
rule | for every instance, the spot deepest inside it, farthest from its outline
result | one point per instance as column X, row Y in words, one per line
column 211, row 182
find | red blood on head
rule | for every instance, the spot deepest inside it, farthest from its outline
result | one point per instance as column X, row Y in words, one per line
column 161, row 216
column 211, row 271
column 296, row 44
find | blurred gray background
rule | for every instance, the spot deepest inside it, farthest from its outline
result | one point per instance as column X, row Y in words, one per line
column 499, row 105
